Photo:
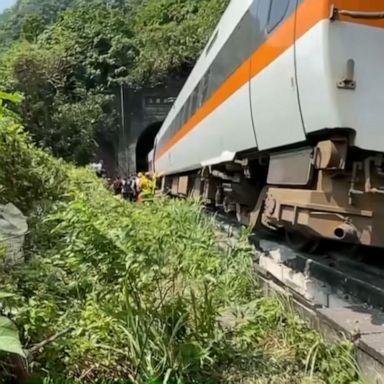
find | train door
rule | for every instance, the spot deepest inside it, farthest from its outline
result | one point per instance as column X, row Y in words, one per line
column 274, row 102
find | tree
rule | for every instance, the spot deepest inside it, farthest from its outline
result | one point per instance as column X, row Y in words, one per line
column 170, row 34
column 72, row 54
column 12, row 21
column 61, row 117
column 32, row 26
column 99, row 39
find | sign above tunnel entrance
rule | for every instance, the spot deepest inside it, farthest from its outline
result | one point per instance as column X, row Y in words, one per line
column 157, row 101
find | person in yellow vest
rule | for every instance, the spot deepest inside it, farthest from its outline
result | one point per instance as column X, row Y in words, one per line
column 139, row 187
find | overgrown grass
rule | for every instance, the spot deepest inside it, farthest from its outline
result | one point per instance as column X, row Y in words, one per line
column 148, row 296
column 143, row 294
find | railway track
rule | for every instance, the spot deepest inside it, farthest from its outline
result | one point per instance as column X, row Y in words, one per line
column 339, row 291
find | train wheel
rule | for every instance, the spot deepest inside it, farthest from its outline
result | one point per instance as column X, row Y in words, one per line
column 242, row 215
column 301, row 242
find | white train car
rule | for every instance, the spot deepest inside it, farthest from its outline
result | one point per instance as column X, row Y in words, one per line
column 150, row 162
column 281, row 120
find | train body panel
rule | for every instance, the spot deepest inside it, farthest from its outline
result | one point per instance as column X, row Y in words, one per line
column 328, row 103
column 360, row 109
column 275, row 106
column 275, row 109
column 281, row 119
column 214, row 139
column 316, row 91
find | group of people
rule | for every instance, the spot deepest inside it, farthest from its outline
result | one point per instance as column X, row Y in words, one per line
column 99, row 169
column 129, row 188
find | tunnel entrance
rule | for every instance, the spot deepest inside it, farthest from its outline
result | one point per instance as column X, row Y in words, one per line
column 145, row 145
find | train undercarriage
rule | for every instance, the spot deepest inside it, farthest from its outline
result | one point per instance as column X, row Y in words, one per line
column 329, row 190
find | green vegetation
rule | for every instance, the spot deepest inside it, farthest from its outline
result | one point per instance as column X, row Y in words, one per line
column 112, row 291
column 139, row 293
column 68, row 59
column 17, row 20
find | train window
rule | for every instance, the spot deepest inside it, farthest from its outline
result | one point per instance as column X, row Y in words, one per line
column 180, row 117
column 263, row 12
column 277, row 12
column 254, row 7
column 186, row 111
column 204, row 88
column 235, row 50
column 199, row 98
column 189, row 110
column 184, row 116
column 190, row 105
column 195, row 99
column 178, row 121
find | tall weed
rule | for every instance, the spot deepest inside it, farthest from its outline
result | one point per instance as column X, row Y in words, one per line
column 151, row 297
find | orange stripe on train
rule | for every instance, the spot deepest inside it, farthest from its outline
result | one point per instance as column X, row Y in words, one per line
column 308, row 14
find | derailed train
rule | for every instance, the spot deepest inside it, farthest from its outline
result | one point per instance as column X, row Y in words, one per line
column 282, row 120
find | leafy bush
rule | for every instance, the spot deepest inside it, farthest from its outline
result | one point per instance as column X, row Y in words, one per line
column 28, row 176
column 61, row 114
column 145, row 295
column 170, row 34
column 144, row 291
column 9, row 337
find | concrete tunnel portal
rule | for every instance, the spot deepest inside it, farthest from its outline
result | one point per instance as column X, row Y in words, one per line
column 142, row 112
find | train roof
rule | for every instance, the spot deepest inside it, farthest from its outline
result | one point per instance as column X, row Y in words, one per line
column 228, row 22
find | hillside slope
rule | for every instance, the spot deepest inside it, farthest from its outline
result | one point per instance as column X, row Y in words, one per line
column 13, row 19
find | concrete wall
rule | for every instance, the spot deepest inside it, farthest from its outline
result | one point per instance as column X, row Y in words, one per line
column 141, row 109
